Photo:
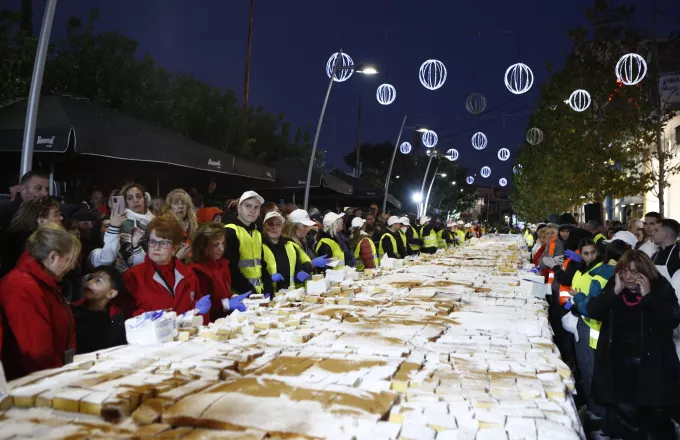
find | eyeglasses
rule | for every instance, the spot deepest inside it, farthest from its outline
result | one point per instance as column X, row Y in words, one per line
column 163, row 244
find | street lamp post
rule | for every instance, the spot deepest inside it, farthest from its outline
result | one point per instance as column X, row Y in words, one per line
column 427, row 199
column 432, row 154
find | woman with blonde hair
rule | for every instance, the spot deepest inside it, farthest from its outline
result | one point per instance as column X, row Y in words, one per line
column 331, row 241
column 364, row 249
column 178, row 203
column 39, row 328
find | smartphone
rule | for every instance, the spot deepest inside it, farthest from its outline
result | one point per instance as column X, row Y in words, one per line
column 119, row 204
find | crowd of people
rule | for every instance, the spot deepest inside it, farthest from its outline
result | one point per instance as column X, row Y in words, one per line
column 613, row 307
column 71, row 277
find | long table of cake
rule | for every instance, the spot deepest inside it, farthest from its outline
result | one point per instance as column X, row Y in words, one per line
column 444, row 346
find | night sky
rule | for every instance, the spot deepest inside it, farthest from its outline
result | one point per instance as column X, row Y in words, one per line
column 292, row 40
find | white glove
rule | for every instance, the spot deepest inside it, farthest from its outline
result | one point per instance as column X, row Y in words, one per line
column 549, row 261
column 569, row 322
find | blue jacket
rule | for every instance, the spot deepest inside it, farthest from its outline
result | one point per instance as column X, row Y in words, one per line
column 606, row 271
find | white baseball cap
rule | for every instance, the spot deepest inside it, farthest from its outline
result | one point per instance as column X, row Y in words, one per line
column 300, row 216
column 460, row 222
column 274, row 214
column 249, row 195
column 393, row 220
column 468, row 225
column 330, row 218
column 628, row 237
column 405, row 221
column 358, row 222
column 424, row 219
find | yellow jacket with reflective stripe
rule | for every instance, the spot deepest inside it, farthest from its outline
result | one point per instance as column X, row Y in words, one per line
column 294, row 252
column 529, row 238
column 250, row 251
column 357, row 254
column 381, row 252
column 598, row 237
column 441, row 241
column 461, row 236
column 404, row 241
column 581, row 283
column 431, row 240
column 414, row 246
column 337, row 251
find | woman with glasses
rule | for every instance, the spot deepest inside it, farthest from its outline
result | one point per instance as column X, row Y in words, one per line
column 163, row 281
column 287, row 263
column 637, row 372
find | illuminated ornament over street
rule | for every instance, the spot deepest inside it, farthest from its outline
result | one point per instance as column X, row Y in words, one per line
column 504, row 154
column 340, row 74
column 470, row 180
column 430, row 138
column 386, row 94
column 475, row 103
column 405, row 148
column 432, row 74
column 579, row 100
column 517, row 169
column 519, row 78
column 479, row 140
column 502, row 181
column 452, row 154
column 631, row 69
column 534, row 136
column 485, row 172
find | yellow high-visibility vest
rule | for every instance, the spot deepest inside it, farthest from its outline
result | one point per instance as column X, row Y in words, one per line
column 581, row 282
column 357, row 254
column 381, row 252
column 250, row 252
column 335, row 248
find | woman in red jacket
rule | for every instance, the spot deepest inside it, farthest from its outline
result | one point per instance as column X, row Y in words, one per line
column 207, row 250
column 163, row 281
column 40, row 331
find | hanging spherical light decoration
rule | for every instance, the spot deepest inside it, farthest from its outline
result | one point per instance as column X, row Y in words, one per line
column 502, row 181
column 430, row 138
column 485, row 172
column 470, row 180
column 340, row 74
column 386, row 94
column 479, row 141
column 579, row 100
column 452, row 154
column 534, row 136
column 519, row 78
column 517, row 169
column 475, row 103
column 405, row 148
column 432, row 74
column 631, row 69
column 504, row 154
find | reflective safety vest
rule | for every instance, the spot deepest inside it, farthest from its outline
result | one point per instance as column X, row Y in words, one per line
column 414, row 246
column 336, row 249
column 294, row 253
column 581, row 283
column 564, row 290
column 461, row 236
column 357, row 254
column 598, row 238
column 431, row 240
column 250, row 252
column 550, row 252
column 381, row 252
column 404, row 241
column 529, row 238
column 441, row 242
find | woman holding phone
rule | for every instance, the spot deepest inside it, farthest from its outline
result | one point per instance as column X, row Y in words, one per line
column 178, row 203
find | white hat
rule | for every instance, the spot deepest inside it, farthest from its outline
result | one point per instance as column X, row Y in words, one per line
column 393, row 220
column 330, row 218
column 274, row 214
column 300, row 216
column 249, row 195
column 468, row 225
column 628, row 237
column 405, row 221
column 424, row 219
column 358, row 222
column 460, row 222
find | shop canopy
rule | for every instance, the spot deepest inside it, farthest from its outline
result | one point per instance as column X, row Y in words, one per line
column 291, row 174
column 365, row 190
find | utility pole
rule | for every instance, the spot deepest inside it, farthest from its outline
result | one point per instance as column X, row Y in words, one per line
column 357, row 169
column 247, row 79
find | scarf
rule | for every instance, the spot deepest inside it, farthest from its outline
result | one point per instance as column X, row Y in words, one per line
column 343, row 241
column 631, row 299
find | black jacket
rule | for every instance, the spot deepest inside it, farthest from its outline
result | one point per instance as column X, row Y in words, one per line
column 7, row 210
column 232, row 253
column 97, row 330
column 659, row 379
column 670, row 254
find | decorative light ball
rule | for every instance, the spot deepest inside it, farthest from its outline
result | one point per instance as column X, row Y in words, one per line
column 579, row 100
column 517, row 169
column 475, row 103
column 631, row 69
column 405, row 148
column 479, row 140
column 432, row 74
column 452, row 154
column 519, row 78
column 502, row 181
column 340, row 74
column 386, row 94
column 504, row 154
column 470, row 180
column 485, row 172
column 534, row 136
column 430, row 138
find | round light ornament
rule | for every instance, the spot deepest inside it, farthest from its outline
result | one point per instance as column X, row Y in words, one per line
column 386, row 94
column 432, row 74
column 340, row 74
column 479, row 141
column 631, row 69
column 519, row 78
column 517, row 169
column 502, row 181
column 485, row 172
column 405, row 148
column 504, row 154
column 579, row 100
column 430, row 139
column 452, row 154
column 470, row 180
column 475, row 103
column 534, row 136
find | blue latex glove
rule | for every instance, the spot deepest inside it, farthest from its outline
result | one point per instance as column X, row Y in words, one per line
column 302, row 276
column 568, row 305
column 236, row 302
column 203, row 305
column 535, row 270
column 277, row 277
column 573, row 255
column 321, row 261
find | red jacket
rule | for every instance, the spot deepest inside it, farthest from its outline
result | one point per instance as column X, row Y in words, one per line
column 39, row 325
column 151, row 293
column 214, row 278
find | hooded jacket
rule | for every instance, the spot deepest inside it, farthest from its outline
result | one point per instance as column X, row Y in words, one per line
column 214, row 278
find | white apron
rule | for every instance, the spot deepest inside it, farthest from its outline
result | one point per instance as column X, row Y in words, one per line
column 663, row 270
